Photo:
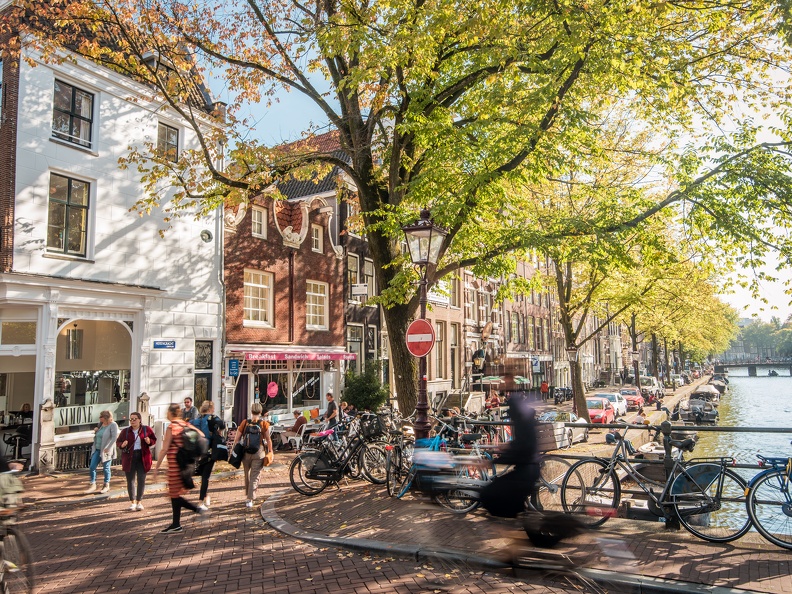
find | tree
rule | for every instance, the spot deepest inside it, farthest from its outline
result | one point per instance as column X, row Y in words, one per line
column 759, row 335
column 365, row 390
column 448, row 105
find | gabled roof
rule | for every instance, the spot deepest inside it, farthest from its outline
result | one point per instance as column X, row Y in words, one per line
column 322, row 143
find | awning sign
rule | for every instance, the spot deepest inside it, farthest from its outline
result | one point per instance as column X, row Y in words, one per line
column 300, row 356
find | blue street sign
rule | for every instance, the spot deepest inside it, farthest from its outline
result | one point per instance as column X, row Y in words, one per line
column 233, row 367
column 164, row 344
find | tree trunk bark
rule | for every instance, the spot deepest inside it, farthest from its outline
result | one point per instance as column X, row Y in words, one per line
column 578, row 390
column 405, row 365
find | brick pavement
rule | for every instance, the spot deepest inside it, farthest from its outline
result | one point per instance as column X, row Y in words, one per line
column 94, row 545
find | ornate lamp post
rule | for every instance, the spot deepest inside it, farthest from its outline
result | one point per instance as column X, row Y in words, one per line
column 424, row 240
column 636, row 357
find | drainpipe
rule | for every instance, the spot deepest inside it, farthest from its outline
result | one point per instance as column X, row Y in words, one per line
column 291, row 296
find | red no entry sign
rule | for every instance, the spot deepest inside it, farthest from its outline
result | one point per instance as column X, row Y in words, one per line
column 420, row 338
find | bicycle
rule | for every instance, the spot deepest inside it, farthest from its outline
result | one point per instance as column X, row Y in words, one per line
column 704, row 494
column 769, row 501
column 16, row 559
column 311, row 471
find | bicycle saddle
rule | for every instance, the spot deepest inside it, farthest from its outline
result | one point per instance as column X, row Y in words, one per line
column 685, row 444
column 469, row 437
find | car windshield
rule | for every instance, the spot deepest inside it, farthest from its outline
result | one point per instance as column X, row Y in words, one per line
column 646, row 381
column 595, row 404
column 611, row 397
column 628, row 392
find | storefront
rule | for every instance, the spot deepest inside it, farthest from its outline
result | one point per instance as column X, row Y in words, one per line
column 285, row 381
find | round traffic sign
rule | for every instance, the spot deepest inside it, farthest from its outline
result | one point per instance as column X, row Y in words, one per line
column 420, row 338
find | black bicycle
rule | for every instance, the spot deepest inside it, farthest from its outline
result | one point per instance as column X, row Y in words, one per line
column 350, row 450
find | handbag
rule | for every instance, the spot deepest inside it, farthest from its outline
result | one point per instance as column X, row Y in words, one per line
column 236, row 456
column 219, row 448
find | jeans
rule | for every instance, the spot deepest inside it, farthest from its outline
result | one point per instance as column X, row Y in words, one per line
column 96, row 459
column 136, row 472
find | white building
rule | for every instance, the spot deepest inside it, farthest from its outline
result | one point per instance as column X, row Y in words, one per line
column 95, row 307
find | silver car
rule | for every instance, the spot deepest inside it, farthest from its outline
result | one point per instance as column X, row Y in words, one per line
column 618, row 401
column 565, row 436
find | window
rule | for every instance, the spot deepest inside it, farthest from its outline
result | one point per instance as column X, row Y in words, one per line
column 368, row 278
column 515, row 327
column 355, row 345
column 354, row 222
column 506, row 336
column 316, row 239
column 258, row 299
column 453, row 296
column 353, row 275
column 470, row 304
column 168, row 142
column 454, row 355
column 259, row 222
column 72, row 116
column 315, row 305
column 67, row 221
column 439, row 348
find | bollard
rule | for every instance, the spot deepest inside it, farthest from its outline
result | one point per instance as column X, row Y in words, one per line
column 672, row 522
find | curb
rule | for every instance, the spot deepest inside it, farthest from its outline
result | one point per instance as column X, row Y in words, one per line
column 625, row 582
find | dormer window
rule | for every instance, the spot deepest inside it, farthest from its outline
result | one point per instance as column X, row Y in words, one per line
column 259, row 222
column 316, row 238
column 72, row 116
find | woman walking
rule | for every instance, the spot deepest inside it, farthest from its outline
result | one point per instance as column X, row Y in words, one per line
column 255, row 438
column 170, row 447
column 103, row 450
column 135, row 442
column 211, row 425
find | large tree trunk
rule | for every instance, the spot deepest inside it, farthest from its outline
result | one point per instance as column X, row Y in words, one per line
column 405, row 365
column 579, row 401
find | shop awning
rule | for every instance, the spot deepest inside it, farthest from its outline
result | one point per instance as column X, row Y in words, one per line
column 259, row 356
column 490, row 379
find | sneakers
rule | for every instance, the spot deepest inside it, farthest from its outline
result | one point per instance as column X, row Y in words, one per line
column 203, row 507
column 203, row 514
column 249, row 503
column 207, row 501
column 133, row 507
column 104, row 489
column 91, row 488
column 172, row 530
column 139, row 506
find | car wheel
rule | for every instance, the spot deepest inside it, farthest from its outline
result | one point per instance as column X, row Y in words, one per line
column 585, row 435
column 570, row 438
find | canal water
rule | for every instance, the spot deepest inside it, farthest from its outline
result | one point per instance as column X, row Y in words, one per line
column 752, row 402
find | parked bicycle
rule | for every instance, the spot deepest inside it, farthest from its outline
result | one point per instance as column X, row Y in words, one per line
column 769, row 500
column 355, row 453
column 705, row 495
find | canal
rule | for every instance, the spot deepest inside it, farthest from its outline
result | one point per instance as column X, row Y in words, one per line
column 752, row 402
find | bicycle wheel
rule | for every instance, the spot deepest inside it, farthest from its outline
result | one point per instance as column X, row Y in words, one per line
column 769, row 505
column 373, row 459
column 591, row 492
column 16, row 574
column 462, row 501
column 711, row 507
column 406, row 481
column 298, row 470
column 393, row 470
column 552, row 471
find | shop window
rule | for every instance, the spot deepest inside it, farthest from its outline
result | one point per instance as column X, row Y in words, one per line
column 168, row 142
column 67, row 220
column 281, row 380
column 72, row 115
column 18, row 333
column 259, row 222
column 74, row 343
column 307, row 388
column 316, row 305
column 258, row 299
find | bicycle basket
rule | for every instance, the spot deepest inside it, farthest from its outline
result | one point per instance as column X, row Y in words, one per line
column 372, row 426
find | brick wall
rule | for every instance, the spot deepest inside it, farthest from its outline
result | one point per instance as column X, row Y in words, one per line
column 242, row 250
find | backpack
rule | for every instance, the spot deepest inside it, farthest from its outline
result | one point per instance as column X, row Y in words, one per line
column 194, row 444
column 202, row 423
column 252, row 440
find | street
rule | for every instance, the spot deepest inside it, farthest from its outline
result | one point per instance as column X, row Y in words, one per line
column 102, row 547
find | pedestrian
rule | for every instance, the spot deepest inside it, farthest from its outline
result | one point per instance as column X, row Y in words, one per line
column 135, row 443
column 331, row 414
column 255, row 437
column 294, row 430
column 211, row 426
column 176, row 488
column 103, row 450
column 544, row 388
column 189, row 412
column 350, row 411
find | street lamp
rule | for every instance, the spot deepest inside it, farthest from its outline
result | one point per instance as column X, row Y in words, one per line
column 572, row 354
column 424, row 240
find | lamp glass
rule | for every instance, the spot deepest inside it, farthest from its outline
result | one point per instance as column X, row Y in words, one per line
column 636, row 356
column 572, row 354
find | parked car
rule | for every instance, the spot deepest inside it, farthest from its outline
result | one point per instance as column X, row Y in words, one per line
column 618, row 401
column 600, row 410
column 634, row 398
column 677, row 380
column 651, row 388
column 565, row 436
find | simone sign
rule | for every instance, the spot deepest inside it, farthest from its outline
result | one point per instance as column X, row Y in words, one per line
column 88, row 414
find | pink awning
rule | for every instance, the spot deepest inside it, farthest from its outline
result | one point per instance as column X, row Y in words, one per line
column 300, row 356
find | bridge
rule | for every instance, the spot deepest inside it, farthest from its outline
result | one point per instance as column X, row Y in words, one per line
column 752, row 367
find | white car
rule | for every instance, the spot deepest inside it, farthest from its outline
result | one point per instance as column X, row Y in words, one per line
column 678, row 380
column 618, row 401
column 565, row 436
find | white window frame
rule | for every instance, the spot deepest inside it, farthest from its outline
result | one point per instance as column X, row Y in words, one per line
column 268, row 286
column 262, row 224
column 439, row 348
column 317, row 320
column 356, row 281
column 160, row 125
column 317, row 240
column 369, row 279
column 89, row 218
